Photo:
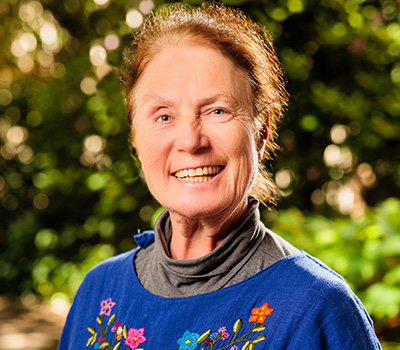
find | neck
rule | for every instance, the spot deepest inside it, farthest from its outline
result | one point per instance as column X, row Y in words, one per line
column 194, row 238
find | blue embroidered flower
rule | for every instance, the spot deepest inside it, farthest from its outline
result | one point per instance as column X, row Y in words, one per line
column 188, row 341
column 213, row 336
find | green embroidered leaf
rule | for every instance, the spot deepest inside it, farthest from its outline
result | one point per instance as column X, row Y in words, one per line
column 259, row 338
column 238, row 325
column 104, row 345
column 111, row 320
column 90, row 339
column 246, row 346
column 99, row 320
column 94, row 338
column 116, row 347
column 125, row 332
column 204, row 336
column 259, row 328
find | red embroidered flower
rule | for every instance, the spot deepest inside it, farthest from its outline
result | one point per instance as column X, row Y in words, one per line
column 100, row 340
column 135, row 337
column 208, row 342
column 106, row 306
column 259, row 314
column 115, row 327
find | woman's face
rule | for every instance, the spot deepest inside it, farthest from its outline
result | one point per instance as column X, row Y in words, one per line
column 193, row 132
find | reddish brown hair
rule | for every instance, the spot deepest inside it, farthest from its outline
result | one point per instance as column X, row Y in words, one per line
column 243, row 41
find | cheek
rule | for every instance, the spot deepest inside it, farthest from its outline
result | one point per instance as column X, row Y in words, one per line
column 246, row 144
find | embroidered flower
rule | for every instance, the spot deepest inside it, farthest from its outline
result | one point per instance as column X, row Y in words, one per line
column 221, row 329
column 115, row 327
column 99, row 341
column 119, row 332
column 259, row 314
column 135, row 337
column 213, row 336
column 235, row 347
column 106, row 306
column 188, row 341
column 224, row 333
column 208, row 342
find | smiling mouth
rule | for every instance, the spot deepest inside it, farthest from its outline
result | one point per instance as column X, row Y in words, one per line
column 203, row 174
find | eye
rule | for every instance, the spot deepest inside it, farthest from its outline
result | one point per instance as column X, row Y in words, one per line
column 164, row 118
column 218, row 111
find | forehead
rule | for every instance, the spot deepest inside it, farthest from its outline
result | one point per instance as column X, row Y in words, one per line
column 198, row 69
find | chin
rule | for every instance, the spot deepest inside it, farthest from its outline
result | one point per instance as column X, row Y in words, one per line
column 198, row 210
column 194, row 212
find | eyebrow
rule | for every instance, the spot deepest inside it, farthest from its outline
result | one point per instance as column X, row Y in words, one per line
column 155, row 98
column 164, row 100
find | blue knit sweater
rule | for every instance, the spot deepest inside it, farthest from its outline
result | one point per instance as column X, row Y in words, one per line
column 297, row 303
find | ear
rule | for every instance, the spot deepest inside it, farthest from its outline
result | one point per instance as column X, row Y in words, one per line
column 262, row 142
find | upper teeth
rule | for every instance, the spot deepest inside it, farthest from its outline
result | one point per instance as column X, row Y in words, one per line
column 208, row 170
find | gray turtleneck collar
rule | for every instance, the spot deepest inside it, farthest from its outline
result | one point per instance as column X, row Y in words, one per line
column 248, row 249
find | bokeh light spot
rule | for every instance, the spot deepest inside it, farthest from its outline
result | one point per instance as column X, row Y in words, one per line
column 41, row 201
column 283, row 178
column 146, row 6
column 98, row 55
column 339, row 133
column 134, row 18
column 17, row 135
column 48, row 34
column 5, row 97
column 88, row 86
column 94, row 144
column 101, row 2
column 111, row 42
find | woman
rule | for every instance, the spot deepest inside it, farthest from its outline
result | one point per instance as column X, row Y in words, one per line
column 204, row 95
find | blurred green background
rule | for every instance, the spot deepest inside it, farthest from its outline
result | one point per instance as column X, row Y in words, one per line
column 71, row 193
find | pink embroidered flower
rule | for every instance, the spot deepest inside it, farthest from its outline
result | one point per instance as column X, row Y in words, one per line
column 106, row 306
column 115, row 327
column 224, row 333
column 135, row 337
column 235, row 347
column 221, row 329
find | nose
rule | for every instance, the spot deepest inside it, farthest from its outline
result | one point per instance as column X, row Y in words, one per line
column 191, row 137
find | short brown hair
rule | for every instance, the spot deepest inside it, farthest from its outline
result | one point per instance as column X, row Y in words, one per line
column 241, row 40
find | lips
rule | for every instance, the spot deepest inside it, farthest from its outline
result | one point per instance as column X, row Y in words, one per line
column 201, row 174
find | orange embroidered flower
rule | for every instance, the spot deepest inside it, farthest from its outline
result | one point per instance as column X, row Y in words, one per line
column 259, row 314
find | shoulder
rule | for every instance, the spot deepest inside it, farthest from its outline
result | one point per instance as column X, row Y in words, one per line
column 316, row 283
column 306, row 269
column 121, row 263
column 99, row 285
column 327, row 305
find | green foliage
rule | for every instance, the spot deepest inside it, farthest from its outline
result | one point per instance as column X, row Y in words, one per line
column 71, row 193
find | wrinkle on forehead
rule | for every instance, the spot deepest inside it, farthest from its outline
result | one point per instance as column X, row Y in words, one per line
column 237, row 94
